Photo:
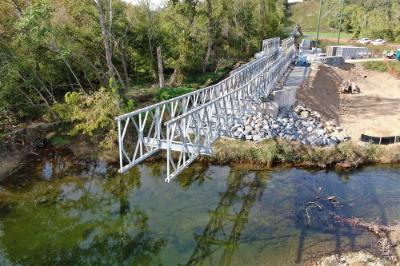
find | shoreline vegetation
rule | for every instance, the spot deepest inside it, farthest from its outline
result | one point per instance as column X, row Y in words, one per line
column 266, row 154
column 271, row 153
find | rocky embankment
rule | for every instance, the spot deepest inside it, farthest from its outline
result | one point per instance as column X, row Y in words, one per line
column 298, row 124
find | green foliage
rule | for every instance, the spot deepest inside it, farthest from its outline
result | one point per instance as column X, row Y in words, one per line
column 92, row 115
column 199, row 80
column 49, row 49
column 331, row 35
column 373, row 19
column 376, row 66
column 382, row 66
column 59, row 140
column 168, row 92
column 128, row 106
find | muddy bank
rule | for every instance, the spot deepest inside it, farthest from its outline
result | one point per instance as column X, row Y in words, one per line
column 352, row 258
column 78, row 148
column 256, row 155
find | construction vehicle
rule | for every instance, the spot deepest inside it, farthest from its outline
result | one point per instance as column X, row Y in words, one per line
column 392, row 54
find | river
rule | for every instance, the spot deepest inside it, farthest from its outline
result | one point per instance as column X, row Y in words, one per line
column 58, row 210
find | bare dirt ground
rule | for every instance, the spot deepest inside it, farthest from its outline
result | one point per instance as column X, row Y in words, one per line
column 375, row 111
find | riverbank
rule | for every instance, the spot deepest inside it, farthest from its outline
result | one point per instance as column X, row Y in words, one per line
column 271, row 153
column 263, row 154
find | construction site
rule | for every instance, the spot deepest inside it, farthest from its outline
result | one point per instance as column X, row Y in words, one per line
column 291, row 91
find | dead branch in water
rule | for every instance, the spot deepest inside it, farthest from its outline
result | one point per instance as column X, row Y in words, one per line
column 381, row 232
column 378, row 230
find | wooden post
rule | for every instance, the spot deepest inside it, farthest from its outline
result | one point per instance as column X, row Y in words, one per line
column 160, row 68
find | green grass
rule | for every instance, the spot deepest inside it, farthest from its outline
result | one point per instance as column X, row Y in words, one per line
column 273, row 152
column 372, row 48
column 199, row 80
column 306, row 14
column 392, row 67
column 322, row 35
column 145, row 94
column 172, row 92
column 59, row 140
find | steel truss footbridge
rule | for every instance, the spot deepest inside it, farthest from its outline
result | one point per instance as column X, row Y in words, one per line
column 188, row 125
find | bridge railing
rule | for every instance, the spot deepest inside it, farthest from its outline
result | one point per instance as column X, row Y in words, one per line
column 142, row 133
column 193, row 133
column 271, row 45
column 287, row 43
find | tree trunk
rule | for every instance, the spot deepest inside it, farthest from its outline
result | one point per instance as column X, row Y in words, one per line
column 125, row 66
column 207, row 58
column 119, row 77
column 30, row 101
column 74, row 75
column 160, row 68
column 106, row 39
column 51, row 95
column 46, row 102
column 150, row 31
column 88, row 80
column 172, row 79
column 210, row 35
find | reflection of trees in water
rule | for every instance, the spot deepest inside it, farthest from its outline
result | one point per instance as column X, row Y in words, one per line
column 227, row 222
column 195, row 174
column 88, row 222
column 125, row 237
column 124, row 241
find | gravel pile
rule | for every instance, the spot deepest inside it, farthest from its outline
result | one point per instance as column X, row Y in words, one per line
column 299, row 124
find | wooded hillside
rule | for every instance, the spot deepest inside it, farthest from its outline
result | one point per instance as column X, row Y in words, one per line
column 370, row 18
column 51, row 47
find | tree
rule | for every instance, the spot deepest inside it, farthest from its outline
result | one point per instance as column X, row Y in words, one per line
column 106, row 38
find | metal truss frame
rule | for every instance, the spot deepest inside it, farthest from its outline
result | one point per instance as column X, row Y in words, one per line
column 189, row 124
column 271, row 45
column 193, row 133
column 287, row 43
column 142, row 133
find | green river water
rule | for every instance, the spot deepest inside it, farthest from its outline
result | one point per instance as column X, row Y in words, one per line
column 58, row 210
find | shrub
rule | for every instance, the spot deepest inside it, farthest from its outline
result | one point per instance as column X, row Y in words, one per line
column 376, row 66
column 389, row 66
column 92, row 115
column 169, row 93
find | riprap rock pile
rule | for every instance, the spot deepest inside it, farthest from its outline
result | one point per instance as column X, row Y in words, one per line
column 299, row 124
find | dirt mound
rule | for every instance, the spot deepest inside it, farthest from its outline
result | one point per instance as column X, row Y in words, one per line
column 320, row 93
column 375, row 111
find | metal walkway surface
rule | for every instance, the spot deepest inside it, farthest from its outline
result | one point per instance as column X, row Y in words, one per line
column 297, row 76
column 187, row 126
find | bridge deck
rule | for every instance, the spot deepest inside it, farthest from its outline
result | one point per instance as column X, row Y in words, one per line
column 297, row 76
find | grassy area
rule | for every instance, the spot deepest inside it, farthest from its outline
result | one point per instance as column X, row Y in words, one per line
column 372, row 48
column 306, row 15
column 322, row 35
column 272, row 152
column 392, row 67
column 200, row 80
column 146, row 93
column 171, row 92
column 59, row 140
